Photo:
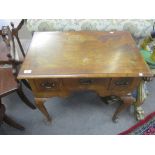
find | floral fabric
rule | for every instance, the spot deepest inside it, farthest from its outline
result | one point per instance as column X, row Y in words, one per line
column 138, row 27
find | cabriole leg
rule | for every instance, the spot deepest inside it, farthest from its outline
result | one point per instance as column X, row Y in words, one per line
column 42, row 108
column 126, row 101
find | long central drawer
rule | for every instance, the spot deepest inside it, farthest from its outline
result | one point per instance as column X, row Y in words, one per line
column 86, row 83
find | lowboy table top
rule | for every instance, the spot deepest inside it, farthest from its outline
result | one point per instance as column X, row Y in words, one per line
column 83, row 54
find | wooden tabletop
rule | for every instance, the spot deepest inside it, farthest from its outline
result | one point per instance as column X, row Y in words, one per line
column 83, row 54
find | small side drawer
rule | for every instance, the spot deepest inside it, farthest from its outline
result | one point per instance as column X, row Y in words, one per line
column 47, row 84
column 121, row 83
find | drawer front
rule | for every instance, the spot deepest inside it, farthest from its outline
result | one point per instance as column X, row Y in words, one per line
column 63, row 87
column 121, row 84
column 86, row 83
column 47, row 84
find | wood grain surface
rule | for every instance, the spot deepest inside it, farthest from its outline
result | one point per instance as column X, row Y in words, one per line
column 83, row 54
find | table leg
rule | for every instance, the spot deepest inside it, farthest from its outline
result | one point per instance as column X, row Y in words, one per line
column 126, row 102
column 41, row 107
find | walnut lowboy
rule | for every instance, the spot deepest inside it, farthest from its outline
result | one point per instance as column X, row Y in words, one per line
column 59, row 63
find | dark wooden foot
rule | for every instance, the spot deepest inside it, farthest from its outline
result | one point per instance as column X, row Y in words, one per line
column 12, row 123
column 25, row 99
column 41, row 107
column 126, row 102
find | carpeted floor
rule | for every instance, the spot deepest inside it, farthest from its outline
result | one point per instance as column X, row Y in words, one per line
column 80, row 113
column 143, row 127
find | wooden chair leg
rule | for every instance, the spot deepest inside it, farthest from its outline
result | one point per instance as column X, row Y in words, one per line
column 41, row 107
column 8, row 120
column 2, row 111
column 26, row 84
column 12, row 123
column 126, row 102
column 20, row 45
column 25, row 99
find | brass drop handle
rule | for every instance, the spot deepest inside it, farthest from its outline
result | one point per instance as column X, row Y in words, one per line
column 48, row 85
column 122, row 83
column 86, row 81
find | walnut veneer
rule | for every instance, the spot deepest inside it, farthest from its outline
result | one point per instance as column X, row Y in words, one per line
column 58, row 63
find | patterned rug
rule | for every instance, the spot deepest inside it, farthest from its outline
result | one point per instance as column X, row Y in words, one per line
column 143, row 127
